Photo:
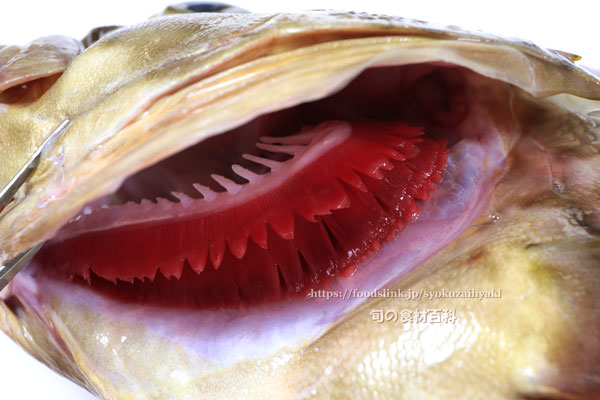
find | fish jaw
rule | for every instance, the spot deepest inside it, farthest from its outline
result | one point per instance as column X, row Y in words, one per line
column 358, row 355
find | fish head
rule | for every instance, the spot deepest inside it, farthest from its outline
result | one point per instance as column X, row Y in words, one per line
column 483, row 287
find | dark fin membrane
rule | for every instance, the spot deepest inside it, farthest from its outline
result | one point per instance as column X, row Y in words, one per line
column 329, row 215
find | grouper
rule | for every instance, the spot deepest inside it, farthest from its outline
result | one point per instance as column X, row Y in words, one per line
column 321, row 205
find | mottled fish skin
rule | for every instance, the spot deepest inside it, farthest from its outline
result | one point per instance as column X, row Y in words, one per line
column 537, row 241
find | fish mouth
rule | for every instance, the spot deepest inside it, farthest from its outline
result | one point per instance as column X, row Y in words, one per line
column 348, row 192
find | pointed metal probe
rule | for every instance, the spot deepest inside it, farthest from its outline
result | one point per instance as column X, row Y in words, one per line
column 12, row 267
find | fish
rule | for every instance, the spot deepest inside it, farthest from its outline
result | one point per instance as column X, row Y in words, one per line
column 489, row 293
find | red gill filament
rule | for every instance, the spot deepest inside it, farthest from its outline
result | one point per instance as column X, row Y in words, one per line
column 348, row 188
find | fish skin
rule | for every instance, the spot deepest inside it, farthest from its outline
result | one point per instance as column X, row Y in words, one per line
column 542, row 251
column 41, row 58
column 44, row 58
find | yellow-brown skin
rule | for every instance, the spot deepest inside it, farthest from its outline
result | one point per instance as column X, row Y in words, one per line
column 135, row 101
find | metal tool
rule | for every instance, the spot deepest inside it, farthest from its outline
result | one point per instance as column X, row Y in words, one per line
column 12, row 267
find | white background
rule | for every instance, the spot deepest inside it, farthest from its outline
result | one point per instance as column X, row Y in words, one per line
column 569, row 26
